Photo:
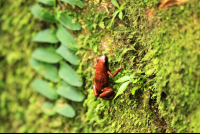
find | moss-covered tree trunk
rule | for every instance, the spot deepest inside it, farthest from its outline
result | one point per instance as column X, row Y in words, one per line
column 158, row 48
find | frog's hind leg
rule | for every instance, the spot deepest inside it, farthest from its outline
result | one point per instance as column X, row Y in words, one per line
column 107, row 93
column 95, row 90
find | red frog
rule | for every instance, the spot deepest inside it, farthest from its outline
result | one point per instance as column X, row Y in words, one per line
column 101, row 79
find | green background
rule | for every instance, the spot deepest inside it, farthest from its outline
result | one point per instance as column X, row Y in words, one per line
column 161, row 52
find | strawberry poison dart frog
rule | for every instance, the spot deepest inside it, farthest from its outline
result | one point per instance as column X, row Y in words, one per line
column 101, row 79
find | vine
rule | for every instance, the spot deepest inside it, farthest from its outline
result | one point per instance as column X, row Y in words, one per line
column 57, row 64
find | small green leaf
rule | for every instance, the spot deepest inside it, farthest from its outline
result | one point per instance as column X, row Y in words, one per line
column 68, row 74
column 133, row 90
column 123, row 79
column 65, row 110
column 74, row 2
column 42, row 87
column 47, row 35
column 122, row 88
column 68, row 22
column 120, row 15
column 48, row 108
column 150, row 71
column 47, row 2
column 70, row 92
column 114, row 2
column 134, row 80
column 136, row 122
column 48, row 55
column 65, row 37
column 48, row 71
column 114, row 15
column 42, row 13
column 101, row 25
column 67, row 54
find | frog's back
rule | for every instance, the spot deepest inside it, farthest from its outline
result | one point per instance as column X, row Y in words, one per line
column 101, row 79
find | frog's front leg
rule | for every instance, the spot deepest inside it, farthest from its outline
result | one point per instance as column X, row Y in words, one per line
column 107, row 93
column 115, row 73
column 95, row 90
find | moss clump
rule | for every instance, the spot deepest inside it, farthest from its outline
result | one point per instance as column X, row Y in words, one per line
column 176, row 65
column 163, row 52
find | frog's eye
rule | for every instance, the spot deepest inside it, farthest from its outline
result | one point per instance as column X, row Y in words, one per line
column 106, row 61
column 97, row 59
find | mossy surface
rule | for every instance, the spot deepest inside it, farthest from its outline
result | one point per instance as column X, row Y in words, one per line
column 161, row 51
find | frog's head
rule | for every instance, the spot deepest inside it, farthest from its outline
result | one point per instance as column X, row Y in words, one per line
column 102, row 61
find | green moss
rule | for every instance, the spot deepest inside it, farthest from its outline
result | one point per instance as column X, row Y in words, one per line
column 177, row 65
column 165, row 51
column 162, row 52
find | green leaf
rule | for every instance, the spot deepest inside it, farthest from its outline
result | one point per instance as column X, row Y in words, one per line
column 70, row 92
column 67, row 54
column 65, row 37
column 48, row 71
column 68, row 74
column 68, row 22
column 48, row 55
column 47, row 35
column 48, row 108
column 101, row 25
column 74, row 2
column 65, row 110
column 42, row 13
column 122, row 88
column 133, row 90
column 120, row 15
column 114, row 15
column 134, row 80
column 150, row 71
column 42, row 87
column 47, row 2
column 114, row 2
column 123, row 79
